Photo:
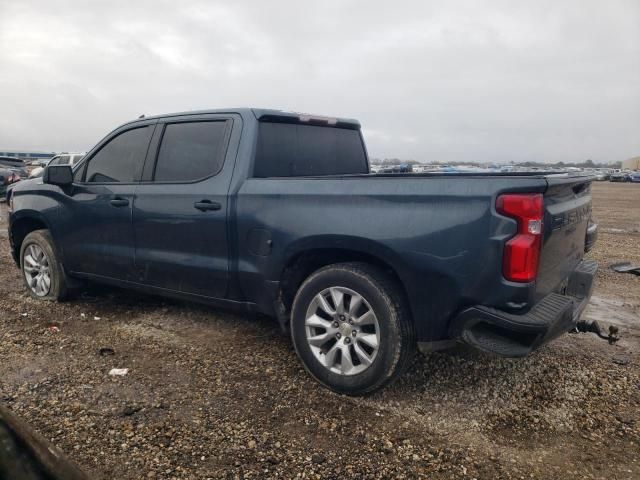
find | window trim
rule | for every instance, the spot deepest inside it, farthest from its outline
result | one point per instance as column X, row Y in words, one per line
column 224, row 148
column 84, row 162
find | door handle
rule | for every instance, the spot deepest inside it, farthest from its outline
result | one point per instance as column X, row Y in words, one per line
column 204, row 205
column 119, row 202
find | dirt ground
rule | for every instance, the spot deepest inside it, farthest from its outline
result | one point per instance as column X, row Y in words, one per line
column 212, row 394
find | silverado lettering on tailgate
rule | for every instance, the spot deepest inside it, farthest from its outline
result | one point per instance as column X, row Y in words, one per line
column 572, row 217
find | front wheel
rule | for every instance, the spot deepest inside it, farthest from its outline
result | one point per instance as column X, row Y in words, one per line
column 41, row 269
column 351, row 328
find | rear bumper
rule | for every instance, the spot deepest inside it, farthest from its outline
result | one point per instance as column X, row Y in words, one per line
column 512, row 335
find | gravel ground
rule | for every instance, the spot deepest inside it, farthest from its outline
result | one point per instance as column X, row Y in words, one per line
column 211, row 394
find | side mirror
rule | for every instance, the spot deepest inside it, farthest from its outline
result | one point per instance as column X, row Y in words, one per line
column 60, row 175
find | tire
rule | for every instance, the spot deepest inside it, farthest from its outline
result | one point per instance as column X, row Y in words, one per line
column 38, row 257
column 381, row 314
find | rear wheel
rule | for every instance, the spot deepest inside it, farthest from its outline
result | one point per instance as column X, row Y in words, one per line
column 351, row 328
column 41, row 269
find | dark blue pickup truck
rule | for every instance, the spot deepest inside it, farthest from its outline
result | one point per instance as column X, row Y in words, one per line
column 274, row 212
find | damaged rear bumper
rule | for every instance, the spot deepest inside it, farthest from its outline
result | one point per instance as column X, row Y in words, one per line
column 513, row 335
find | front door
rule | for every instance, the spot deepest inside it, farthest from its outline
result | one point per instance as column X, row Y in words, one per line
column 180, row 208
column 95, row 223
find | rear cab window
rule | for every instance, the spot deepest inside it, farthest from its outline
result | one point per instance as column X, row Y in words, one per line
column 296, row 150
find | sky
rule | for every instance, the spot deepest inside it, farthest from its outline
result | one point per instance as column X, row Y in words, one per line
column 489, row 81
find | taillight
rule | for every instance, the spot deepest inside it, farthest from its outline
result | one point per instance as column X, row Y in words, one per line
column 522, row 251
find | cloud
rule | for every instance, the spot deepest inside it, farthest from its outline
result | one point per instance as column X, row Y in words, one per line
column 488, row 81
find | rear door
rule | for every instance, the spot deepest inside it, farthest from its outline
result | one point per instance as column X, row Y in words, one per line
column 567, row 204
column 94, row 225
column 180, row 209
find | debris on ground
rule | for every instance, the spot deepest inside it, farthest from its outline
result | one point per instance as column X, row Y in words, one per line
column 625, row 267
column 130, row 410
column 585, row 326
column 622, row 359
column 118, row 372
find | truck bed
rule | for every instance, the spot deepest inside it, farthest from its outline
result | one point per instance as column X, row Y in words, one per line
column 440, row 231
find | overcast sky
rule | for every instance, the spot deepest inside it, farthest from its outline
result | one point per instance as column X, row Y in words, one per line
column 439, row 80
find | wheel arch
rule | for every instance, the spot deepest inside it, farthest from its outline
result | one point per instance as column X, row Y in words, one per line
column 21, row 226
column 432, row 295
column 313, row 254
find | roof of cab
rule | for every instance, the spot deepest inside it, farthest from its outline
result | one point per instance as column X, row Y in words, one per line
column 266, row 115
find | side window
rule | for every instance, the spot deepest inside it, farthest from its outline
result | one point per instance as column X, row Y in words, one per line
column 121, row 159
column 54, row 161
column 191, row 151
column 64, row 160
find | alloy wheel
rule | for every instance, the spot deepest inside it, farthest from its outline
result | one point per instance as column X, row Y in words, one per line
column 35, row 265
column 342, row 330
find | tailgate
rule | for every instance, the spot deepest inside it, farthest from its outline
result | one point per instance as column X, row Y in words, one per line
column 567, row 203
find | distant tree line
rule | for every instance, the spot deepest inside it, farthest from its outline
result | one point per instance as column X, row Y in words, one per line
column 586, row 164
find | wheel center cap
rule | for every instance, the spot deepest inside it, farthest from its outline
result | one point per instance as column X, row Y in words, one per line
column 345, row 329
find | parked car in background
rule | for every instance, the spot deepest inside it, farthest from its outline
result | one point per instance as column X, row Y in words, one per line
column 66, row 159
column 620, row 176
column 276, row 212
column 62, row 159
column 402, row 168
column 12, row 170
column 601, row 176
column 634, row 177
column 11, row 161
column 16, row 165
column 7, row 178
column 40, row 162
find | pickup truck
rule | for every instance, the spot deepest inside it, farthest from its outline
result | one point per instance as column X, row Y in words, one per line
column 278, row 213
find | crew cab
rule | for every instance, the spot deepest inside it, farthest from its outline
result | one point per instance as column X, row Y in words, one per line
column 275, row 212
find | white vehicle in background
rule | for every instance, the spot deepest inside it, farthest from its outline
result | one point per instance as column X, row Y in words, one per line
column 602, row 174
column 61, row 159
